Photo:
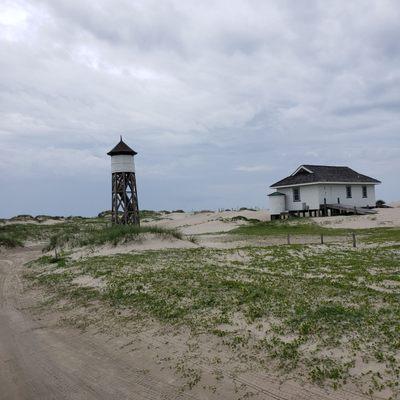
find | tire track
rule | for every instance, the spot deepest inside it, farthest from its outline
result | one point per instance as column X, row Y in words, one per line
column 40, row 362
column 61, row 363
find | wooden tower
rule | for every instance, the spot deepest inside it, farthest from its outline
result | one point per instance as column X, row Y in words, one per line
column 125, row 209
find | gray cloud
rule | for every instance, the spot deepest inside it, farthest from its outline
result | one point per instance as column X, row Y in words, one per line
column 219, row 98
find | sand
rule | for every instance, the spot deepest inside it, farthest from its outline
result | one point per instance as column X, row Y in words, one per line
column 45, row 359
column 220, row 222
column 32, row 221
column 142, row 362
column 211, row 228
column 385, row 217
column 145, row 242
column 89, row 281
column 208, row 222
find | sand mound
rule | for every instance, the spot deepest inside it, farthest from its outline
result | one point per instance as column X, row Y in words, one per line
column 28, row 219
column 144, row 242
column 208, row 222
column 385, row 217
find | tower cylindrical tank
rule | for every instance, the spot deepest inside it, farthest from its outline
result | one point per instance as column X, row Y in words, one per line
column 122, row 163
column 277, row 202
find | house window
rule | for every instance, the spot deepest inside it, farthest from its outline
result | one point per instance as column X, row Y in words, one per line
column 296, row 194
column 364, row 192
column 348, row 192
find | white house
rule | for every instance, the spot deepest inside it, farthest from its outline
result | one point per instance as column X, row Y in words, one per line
column 313, row 188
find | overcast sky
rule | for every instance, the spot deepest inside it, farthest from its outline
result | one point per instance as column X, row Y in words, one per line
column 219, row 98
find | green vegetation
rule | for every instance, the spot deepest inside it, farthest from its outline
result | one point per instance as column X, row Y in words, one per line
column 16, row 234
column 301, row 301
column 380, row 235
column 310, row 228
column 96, row 236
column 38, row 231
column 150, row 215
column 315, row 311
column 9, row 241
column 293, row 227
column 78, row 232
column 243, row 218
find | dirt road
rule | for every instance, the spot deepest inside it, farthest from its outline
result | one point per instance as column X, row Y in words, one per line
column 43, row 361
column 40, row 362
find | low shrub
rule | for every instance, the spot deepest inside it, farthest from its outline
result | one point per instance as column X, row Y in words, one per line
column 114, row 234
column 9, row 242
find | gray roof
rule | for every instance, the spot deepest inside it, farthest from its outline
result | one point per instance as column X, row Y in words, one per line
column 324, row 173
column 121, row 148
column 276, row 194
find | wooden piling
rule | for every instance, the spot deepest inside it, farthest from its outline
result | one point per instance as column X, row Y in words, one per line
column 288, row 238
column 322, row 238
column 354, row 239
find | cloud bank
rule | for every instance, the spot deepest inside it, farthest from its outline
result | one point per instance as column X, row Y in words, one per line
column 219, row 98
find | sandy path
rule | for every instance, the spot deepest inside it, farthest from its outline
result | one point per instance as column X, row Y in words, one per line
column 43, row 362
column 40, row 360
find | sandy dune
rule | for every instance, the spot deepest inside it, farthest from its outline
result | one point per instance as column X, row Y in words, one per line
column 145, row 242
column 210, row 229
column 219, row 222
column 385, row 217
column 208, row 222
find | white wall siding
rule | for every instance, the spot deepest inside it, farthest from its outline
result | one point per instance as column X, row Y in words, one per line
column 308, row 195
column 334, row 192
column 122, row 163
column 313, row 196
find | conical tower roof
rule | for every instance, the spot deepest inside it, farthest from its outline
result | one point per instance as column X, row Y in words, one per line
column 121, row 148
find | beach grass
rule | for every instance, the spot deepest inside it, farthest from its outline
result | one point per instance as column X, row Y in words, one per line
column 294, row 307
column 74, row 233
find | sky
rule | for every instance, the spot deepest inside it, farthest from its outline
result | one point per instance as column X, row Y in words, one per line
column 219, row 98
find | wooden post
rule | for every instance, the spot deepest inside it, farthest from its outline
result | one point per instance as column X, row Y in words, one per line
column 354, row 239
column 322, row 238
column 288, row 238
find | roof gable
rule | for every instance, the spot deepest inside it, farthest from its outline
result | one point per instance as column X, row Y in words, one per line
column 309, row 174
column 301, row 170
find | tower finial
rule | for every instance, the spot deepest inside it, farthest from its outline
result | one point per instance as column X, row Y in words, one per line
column 120, row 138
